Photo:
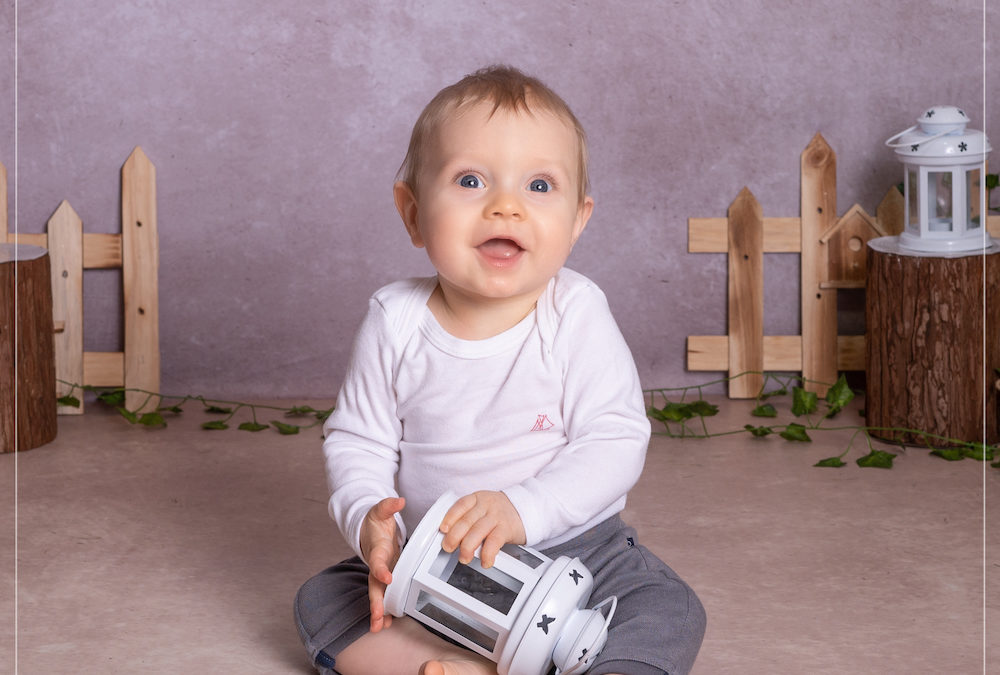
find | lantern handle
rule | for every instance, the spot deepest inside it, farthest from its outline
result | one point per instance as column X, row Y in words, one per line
column 890, row 141
column 602, row 634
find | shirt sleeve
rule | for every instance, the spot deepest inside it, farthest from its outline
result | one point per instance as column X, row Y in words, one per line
column 362, row 435
column 605, row 424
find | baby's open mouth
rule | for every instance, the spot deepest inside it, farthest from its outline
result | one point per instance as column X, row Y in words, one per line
column 500, row 248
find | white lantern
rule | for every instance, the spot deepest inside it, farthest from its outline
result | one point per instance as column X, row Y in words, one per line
column 525, row 612
column 944, row 173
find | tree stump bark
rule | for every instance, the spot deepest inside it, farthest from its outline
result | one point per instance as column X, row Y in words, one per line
column 27, row 349
column 927, row 336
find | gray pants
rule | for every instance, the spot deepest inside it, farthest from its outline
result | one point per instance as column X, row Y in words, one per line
column 657, row 628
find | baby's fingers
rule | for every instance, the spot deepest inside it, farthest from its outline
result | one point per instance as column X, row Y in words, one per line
column 459, row 513
column 376, row 605
column 475, row 536
column 491, row 547
column 378, row 566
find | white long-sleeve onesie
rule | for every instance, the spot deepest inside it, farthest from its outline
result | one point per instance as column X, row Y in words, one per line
column 549, row 411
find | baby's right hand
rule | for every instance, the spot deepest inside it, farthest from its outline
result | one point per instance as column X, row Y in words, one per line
column 380, row 548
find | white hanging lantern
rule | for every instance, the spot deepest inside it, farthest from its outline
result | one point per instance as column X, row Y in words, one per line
column 943, row 185
column 525, row 612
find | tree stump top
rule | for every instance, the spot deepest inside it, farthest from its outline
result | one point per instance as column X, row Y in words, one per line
column 19, row 252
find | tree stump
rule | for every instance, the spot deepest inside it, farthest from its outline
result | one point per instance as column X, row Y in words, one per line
column 27, row 419
column 927, row 335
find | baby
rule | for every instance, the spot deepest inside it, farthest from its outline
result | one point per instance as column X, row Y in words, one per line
column 503, row 378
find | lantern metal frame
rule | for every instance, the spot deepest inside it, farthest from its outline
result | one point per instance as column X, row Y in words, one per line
column 944, row 174
column 525, row 612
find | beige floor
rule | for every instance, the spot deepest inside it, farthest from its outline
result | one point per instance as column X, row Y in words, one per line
column 179, row 551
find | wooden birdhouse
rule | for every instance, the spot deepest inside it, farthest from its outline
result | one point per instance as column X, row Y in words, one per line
column 847, row 248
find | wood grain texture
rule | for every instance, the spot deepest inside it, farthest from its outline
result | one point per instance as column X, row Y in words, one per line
column 27, row 362
column 65, row 242
column 746, row 296
column 889, row 212
column 782, row 353
column 710, row 235
column 819, row 306
column 140, row 272
column 932, row 345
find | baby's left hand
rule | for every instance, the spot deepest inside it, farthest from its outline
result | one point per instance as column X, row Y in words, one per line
column 484, row 518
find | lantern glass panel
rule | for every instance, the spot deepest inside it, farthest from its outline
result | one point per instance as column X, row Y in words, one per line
column 492, row 587
column 973, row 196
column 939, row 206
column 467, row 626
column 523, row 555
column 912, row 192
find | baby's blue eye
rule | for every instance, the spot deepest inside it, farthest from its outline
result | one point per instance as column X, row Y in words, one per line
column 470, row 181
column 539, row 185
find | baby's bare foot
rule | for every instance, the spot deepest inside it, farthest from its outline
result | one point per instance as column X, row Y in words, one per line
column 458, row 667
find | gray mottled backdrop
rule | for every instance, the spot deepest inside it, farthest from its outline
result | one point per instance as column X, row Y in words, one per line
column 277, row 128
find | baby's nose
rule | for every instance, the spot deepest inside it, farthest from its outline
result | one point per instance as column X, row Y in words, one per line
column 505, row 204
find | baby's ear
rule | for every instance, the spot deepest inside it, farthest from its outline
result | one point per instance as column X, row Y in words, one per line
column 583, row 214
column 406, row 204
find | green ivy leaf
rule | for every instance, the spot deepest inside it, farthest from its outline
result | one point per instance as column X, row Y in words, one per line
column 832, row 462
column 703, row 408
column 113, row 398
column 758, row 432
column 69, row 401
column 796, row 432
column 978, row 452
column 129, row 415
column 672, row 412
column 992, row 180
column 254, row 426
column 323, row 414
column 299, row 411
column 878, row 459
column 152, row 419
column 838, row 396
column 803, row 402
column 765, row 410
column 285, row 429
column 950, row 454
column 175, row 409
column 215, row 425
column 218, row 410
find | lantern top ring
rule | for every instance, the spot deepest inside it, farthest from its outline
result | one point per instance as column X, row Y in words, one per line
column 940, row 136
column 891, row 141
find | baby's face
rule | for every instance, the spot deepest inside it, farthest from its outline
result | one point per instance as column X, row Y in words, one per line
column 498, row 208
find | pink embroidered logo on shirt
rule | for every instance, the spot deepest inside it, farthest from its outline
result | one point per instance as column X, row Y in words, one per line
column 542, row 423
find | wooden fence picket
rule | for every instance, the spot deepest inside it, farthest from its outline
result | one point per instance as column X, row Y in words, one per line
column 136, row 251
column 819, row 305
column 746, row 295
column 140, row 270
column 831, row 252
column 65, row 244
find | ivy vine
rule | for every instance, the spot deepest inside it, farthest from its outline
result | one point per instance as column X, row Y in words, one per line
column 683, row 418
column 687, row 419
column 223, row 411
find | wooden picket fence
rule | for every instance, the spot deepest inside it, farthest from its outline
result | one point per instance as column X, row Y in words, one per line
column 136, row 251
column 833, row 256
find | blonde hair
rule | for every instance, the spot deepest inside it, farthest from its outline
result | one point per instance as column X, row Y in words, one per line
column 508, row 89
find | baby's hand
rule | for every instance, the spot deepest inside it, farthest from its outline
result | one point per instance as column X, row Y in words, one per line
column 486, row 519
column 380, row 548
